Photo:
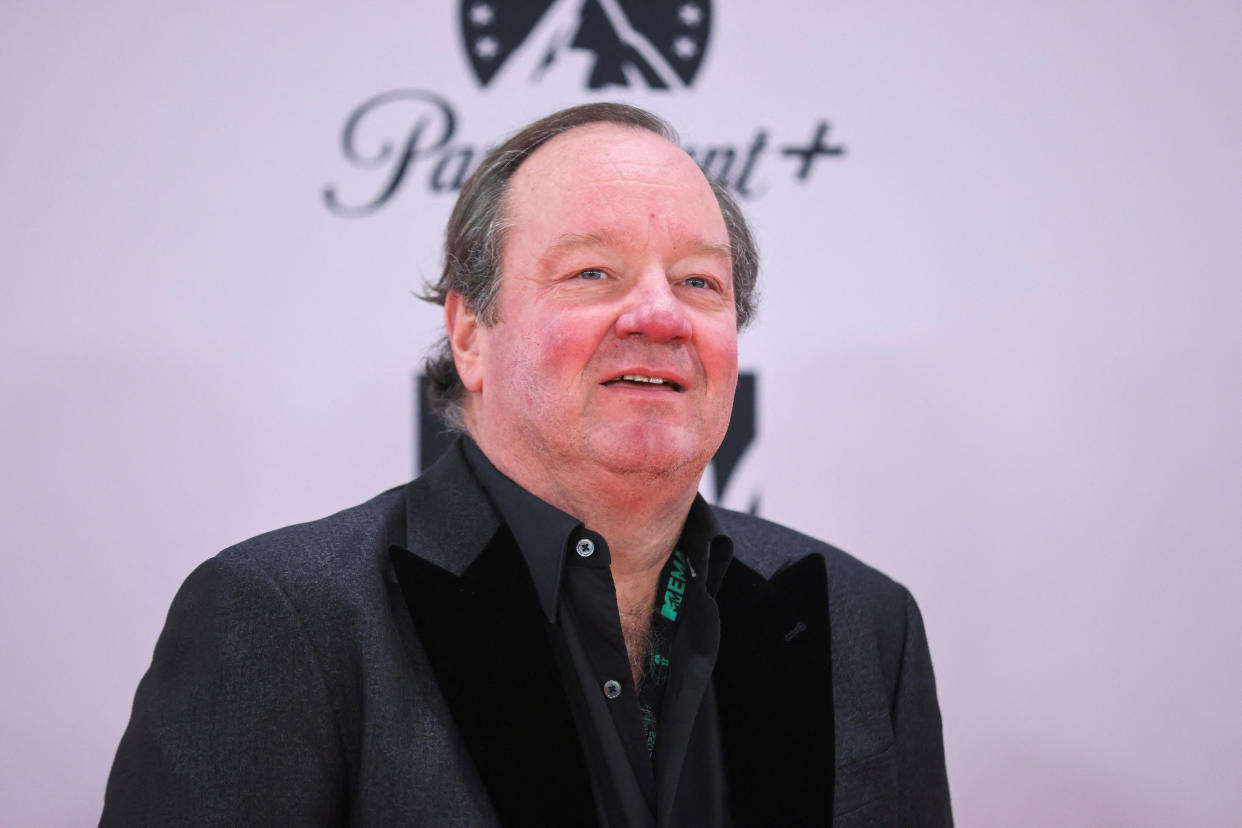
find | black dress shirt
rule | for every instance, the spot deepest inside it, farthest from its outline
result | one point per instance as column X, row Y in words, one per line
column 682, row 781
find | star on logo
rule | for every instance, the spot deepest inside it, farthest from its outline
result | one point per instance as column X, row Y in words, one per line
column 690, row 14
column 481, row 14
column 486, row 47
column 685, row 47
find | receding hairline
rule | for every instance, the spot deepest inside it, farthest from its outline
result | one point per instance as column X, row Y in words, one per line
column 506, row 218
column 592, row 126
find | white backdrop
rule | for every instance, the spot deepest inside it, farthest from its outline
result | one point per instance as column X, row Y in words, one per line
column 999, row 353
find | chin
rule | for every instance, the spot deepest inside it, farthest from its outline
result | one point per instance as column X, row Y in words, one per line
column 652, row 452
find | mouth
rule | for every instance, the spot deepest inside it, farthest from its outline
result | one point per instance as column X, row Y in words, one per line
column 644, row 381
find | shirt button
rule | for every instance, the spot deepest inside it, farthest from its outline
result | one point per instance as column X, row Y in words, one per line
column 612, row 689
column 585, row 548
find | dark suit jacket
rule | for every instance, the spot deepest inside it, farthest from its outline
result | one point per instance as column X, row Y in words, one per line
column 389, row 665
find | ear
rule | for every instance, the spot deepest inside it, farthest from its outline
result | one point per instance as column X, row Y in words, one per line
column 463, row 334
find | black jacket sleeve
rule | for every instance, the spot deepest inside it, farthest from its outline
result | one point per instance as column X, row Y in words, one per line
column 923, row 786
column 232, row 724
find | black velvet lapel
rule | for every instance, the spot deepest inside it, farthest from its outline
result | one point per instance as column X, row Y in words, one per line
column 489, row 647
column 773, row 683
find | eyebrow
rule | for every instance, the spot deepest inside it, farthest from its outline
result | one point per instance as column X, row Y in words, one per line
column 570, row 241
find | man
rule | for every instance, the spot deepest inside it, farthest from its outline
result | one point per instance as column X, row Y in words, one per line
column 551, row 627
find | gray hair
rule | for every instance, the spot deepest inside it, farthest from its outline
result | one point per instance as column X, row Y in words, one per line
column 475, row 235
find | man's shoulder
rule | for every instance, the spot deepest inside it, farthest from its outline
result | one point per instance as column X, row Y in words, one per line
column 768, row 548
column 348, row 543
column 440, row 516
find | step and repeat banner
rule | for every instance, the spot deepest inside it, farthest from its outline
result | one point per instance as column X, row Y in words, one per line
column 997, row 355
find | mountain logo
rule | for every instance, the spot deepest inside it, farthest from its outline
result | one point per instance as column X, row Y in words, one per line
column 592, row 44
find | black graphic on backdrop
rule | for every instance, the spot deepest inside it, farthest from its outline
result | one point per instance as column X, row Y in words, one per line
column 738, row 438
column 607, row 43
column 432, row 436
column 397, row 135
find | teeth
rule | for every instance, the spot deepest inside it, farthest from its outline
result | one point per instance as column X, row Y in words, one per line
column 641, row 378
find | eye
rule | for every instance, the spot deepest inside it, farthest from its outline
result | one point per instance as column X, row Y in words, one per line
column 697, row 282
column 591, row 274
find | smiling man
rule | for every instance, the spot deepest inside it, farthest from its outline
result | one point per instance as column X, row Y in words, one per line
column 551, row 627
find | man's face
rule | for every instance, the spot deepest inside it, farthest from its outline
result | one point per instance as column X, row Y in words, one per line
column 616, row 343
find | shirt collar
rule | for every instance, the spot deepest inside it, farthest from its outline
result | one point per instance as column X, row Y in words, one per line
column 544, row 533
column 541, row 530
column 706, row 545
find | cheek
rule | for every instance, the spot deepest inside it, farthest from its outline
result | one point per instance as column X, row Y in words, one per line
column 557, row 344
column 563, row 343
column 522, row 371
column 541, row 364
column 719, row 355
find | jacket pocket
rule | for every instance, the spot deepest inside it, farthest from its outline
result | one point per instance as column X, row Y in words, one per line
column 866, row 792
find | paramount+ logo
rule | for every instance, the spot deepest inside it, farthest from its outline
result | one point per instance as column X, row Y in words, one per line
column 598, row 44
column 561, row 49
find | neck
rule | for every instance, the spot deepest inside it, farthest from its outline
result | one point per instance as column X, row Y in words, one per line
column 639, row 512
column 640, row 515
column 640, row 540
column 640, row 518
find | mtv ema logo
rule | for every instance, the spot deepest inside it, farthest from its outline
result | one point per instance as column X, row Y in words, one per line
column 594, row 43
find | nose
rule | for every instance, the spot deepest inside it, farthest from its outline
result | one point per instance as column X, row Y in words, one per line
column 653, row 311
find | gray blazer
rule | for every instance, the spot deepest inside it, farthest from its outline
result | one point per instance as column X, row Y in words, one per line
column 389, row 665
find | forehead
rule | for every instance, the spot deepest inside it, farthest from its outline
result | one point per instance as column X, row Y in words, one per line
column 616, row 180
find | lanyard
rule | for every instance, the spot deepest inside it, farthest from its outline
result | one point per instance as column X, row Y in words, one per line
column 668, row 604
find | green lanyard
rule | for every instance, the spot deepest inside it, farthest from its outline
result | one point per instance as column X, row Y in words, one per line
column 672, row 591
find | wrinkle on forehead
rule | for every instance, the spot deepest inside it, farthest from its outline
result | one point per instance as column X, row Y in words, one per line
column 573, row 241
